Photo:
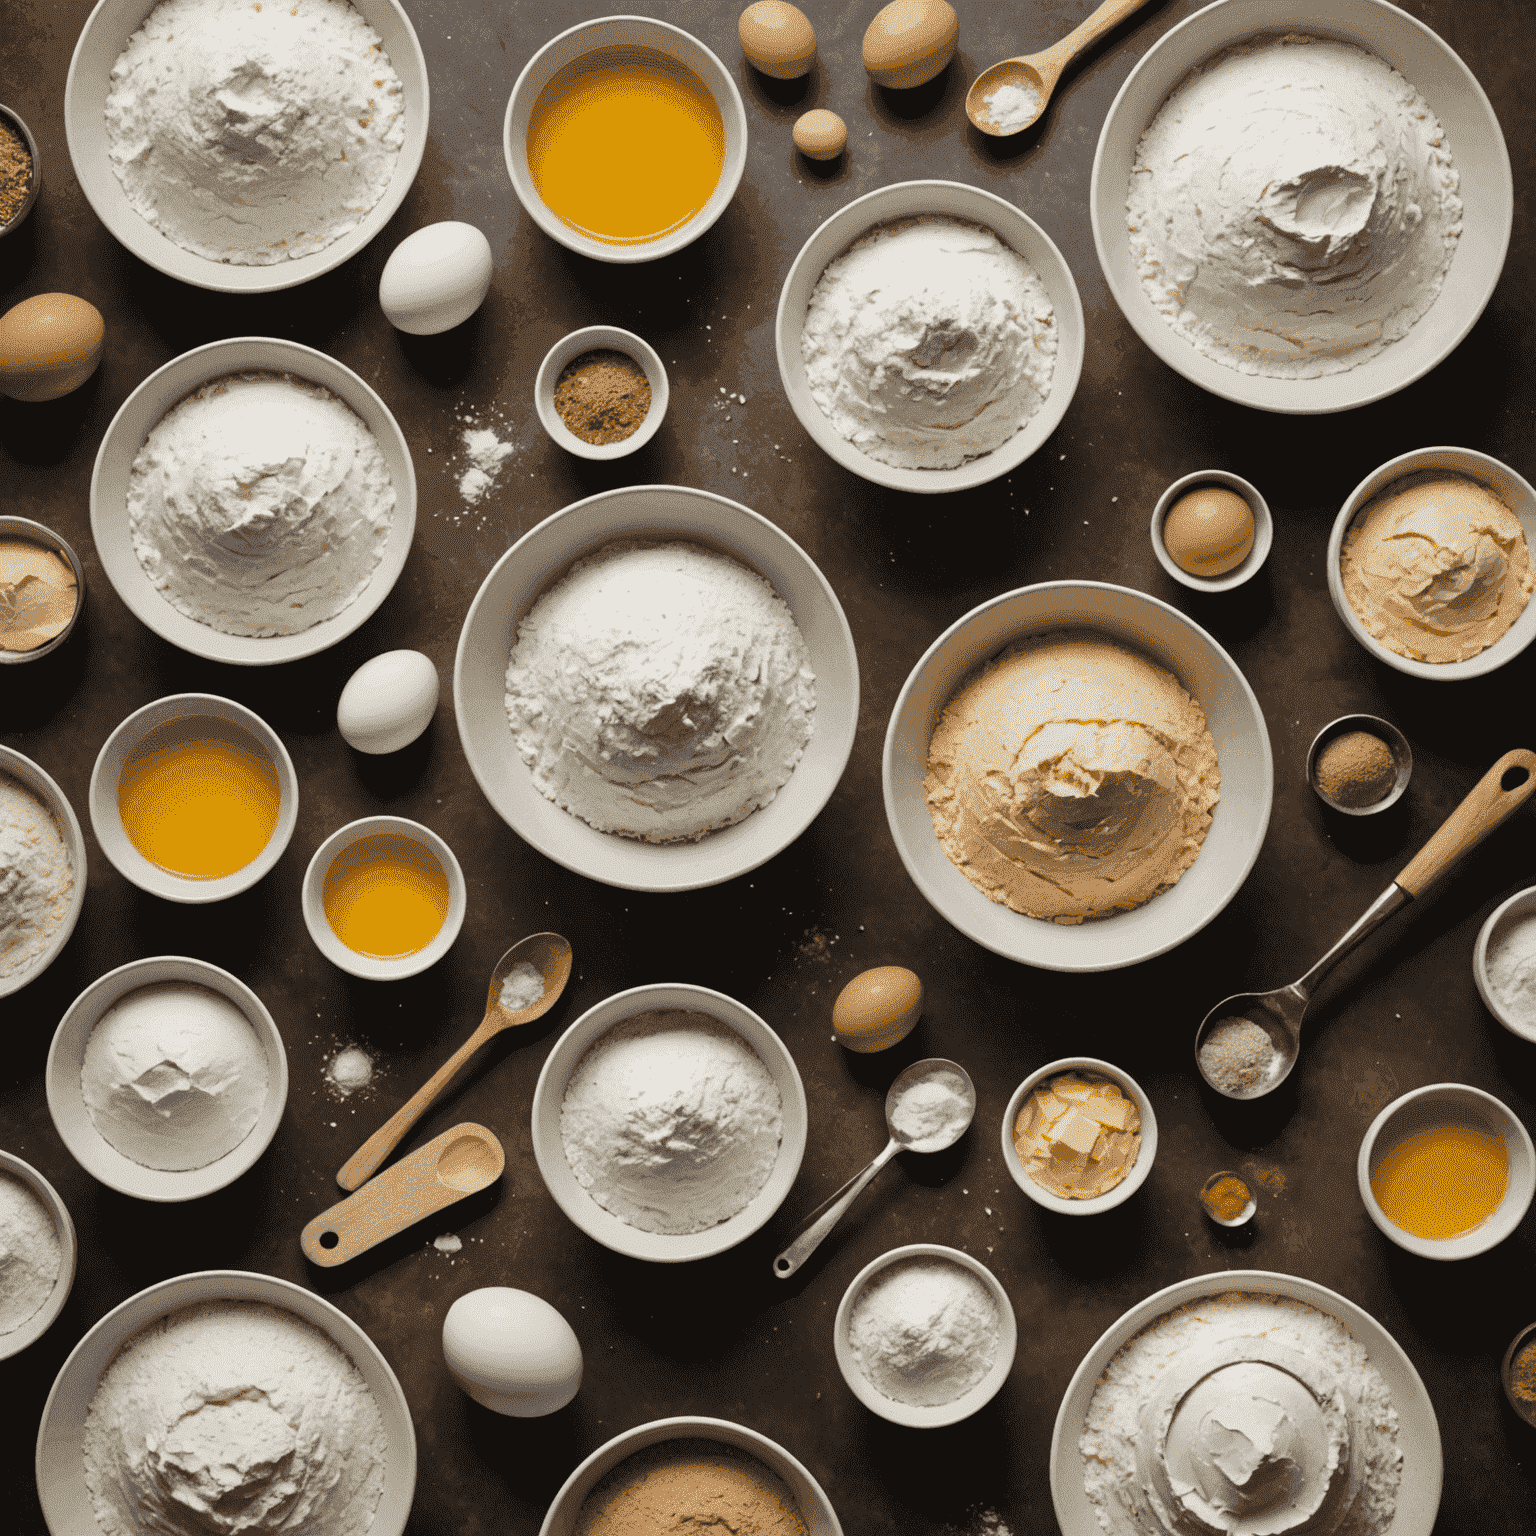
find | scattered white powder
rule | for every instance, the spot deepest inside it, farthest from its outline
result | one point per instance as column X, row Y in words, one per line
column 1511, row 967
column 486, row 454
column 233, row 1417
column 1012, row 107
column 521, row 987
column 260, row 504
column 448, row 1242
column 36, row 878
column 173, row 1076
column 660, row 691
column 349, row 1070
column 1293, row 208
column 934, row 1111
column 671, row 1121
column 924, row 1331
column 30, row 1256
column 253, row 133
column 929, row 342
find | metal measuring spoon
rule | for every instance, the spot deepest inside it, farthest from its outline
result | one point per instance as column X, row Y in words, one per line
column 829, row 1213
column 1490, row 804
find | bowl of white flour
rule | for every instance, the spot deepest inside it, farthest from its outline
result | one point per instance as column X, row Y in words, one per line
column 39, row 1238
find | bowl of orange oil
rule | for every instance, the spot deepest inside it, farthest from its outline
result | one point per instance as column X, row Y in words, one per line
column 625, row 138
column 384, row 898
column 193, row 798
column 1447, row 1171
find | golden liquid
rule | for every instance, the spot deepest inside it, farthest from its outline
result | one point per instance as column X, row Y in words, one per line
column 1442, row 1181
column 199, row 797
column 625, row 145
column 385, row 895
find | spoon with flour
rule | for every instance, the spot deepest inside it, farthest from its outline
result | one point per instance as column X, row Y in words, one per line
column 929, row 1107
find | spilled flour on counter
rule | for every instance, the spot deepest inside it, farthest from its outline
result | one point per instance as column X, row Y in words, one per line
column 485, row 454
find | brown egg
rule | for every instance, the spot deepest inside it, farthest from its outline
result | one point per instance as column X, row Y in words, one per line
column 49, row 345
column 910, row 41
column 1208, row 531
column 821, row 135
column 877, row 1009
column 777, row 39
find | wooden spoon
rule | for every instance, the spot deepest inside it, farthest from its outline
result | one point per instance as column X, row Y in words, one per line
column 1040, row 72
column 547, row 953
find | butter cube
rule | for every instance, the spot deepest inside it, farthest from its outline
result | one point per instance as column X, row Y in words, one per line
column 1050, row 1108
column 1076, row 1132
column 1072, row 1088
column 1100, row 1147
column 1115, row 1113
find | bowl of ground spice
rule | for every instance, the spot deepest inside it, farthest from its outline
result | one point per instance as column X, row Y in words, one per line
column 1359, row 765
column 1518, row 1373
column 21, row 171
column 601, row 392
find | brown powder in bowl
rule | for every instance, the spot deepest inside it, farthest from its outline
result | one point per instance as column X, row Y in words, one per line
column 15, row 172
column 1356, row 769
column 603, row 396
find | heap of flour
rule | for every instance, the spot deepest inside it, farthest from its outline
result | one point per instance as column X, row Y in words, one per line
column 30, row 1255
column 36, row 878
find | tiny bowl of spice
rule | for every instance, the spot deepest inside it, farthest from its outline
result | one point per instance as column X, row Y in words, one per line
column 1212, row 530
column 384, row 898
column 39, row 1239
column 1359, row 764
column 21, row 171
column 1079, row 1136
column 1227, row 1199
column 925, row 1336
column 601, row 392
column 1518, row 1373
column 42, row 588
column 1504, row 963
column 1446, row 1171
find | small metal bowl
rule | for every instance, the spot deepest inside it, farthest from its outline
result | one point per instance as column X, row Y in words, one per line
column 1263, row 530
column 1523, row 1409
column 45, row 538
column 1210, row 1184
column 1402, row 755
column 35, row 185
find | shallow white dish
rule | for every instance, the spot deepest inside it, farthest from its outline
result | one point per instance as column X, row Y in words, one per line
column 32, row 778
column 61, row 1468
column 534, row 563
column 1207, row 673
column 566, row 350
column 549, row 1150
column 621, row 32
column 1016, row 230
column 1418, row 1494
column 1263, row 530
column 103, row 38
column 125, row 436
column 1521, row 904
column 66, row 1101
column 42, row 1320
column 1478, row 153
column 815, row 1507
column 1514, row 490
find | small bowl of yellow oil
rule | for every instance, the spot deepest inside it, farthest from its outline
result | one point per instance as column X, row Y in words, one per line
column 384, row 898
column 1447, row 1171
column 193, row 798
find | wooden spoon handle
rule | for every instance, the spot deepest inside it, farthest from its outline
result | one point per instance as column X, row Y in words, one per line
column 1108, row 15
column 1489, row 805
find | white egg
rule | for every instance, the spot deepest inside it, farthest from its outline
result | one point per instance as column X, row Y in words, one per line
column 388, row 702
column 436, row 279
column 512, row 1351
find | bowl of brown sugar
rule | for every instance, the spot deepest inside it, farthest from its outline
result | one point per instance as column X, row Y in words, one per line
column 601, row 392
column 1359, row 764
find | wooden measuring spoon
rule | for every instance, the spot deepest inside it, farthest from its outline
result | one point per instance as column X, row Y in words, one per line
column 458, row 1163
column 1038, row 73
column 550, row 956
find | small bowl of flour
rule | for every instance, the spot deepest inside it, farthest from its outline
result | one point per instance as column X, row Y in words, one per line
column 1504, row 963
column 38, row 1237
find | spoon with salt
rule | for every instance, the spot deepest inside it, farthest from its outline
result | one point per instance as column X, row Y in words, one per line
column 550, row 956
column 916, row 1123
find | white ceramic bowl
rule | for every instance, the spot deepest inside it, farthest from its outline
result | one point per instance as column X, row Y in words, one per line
column 1015, row 229
column 1263, row 530
column 60, row 1467
column 534, row 563
column 35, row 781
column 103, row 38
column 815, row 1507
column 1514, row 490
column 549, row 1150
column 1207, row 673
column 566, row 350
column 42, row 1320
column 125, row 436
column 1478, row 152
column 37, row 533
column 1145, row 1156
column 1522, row 904
column 381, row 967
column 623, row 32
column 66, row 1101
column 107, row 821
column 908, row 1414
column 1450, row 1104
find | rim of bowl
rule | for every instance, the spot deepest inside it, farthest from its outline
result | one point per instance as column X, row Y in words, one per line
column 1402, row 756
column 1523, row 1411
column 1263, row 530
column 1495, row 1118
column 609, row 338
column 1369, row 25
column 43, row 1319
column 1518, row 905
column 42, row 784
column 72, row 1120
column 35, row 181
column 952, row 199
column 40, row 534
column 911, row 1415
column 107, row 822
column 144, row 409
column 381, row 967
column 1511, row 487
column 1146, row 1153
column 621, row 31
column 86, row 137
column 602, row 1225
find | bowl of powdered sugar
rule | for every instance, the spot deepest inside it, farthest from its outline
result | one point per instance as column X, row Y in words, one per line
column 1504, row 963
column 38, row 1238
